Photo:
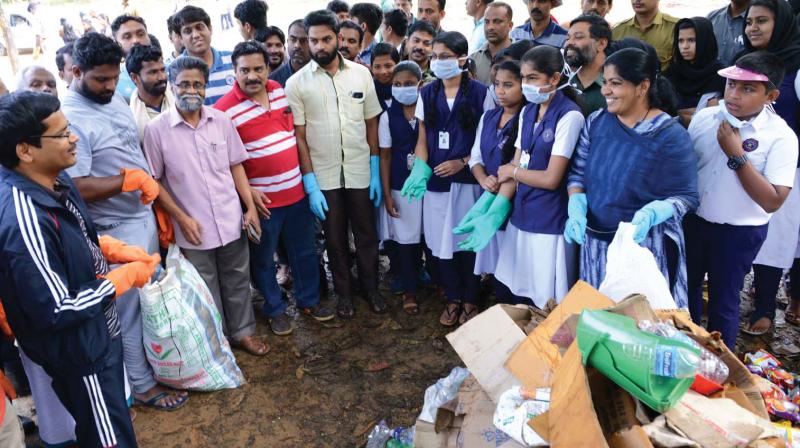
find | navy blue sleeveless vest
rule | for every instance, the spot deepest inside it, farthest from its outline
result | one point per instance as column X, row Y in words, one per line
column 384, row 93
column 461, row 140
column 404, row 141
column 538, row 210
column 493, row 140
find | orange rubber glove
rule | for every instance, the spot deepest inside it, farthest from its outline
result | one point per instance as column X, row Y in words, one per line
column 139, row 180
column 133, row 275
column 117, row 251
column 7, row 387
column 5, row 329
column 166, row 233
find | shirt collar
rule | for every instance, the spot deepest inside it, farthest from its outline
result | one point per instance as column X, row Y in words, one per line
column 216, row 56
column 315, row 66
column 657, row 20
column 175, row 117
column 479, row 22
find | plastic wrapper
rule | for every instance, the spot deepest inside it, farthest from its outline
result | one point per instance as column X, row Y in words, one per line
column 791, row 436
column 710, row 366
column 440, row 393
column 515, row 408
column 782, row 399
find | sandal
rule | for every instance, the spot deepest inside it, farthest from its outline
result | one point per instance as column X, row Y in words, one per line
column 450, row 314
column 470, row 311
column 153, row 402
column 410, row 305
column 748, row 329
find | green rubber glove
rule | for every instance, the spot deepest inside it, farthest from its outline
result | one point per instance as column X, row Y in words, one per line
column 486, row 225
column 479, row 209
column 417, row 182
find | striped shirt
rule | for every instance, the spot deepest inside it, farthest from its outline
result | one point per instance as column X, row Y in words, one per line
column 221, row 77
column 101, row 267
column 273, row 166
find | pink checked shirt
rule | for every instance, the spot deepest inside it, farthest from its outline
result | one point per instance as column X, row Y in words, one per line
column 194, row 165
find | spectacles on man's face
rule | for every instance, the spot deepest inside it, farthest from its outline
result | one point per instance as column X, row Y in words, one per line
column 197, row 86
column 66, row 134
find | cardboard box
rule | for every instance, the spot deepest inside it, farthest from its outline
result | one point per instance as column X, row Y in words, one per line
column 485, row 343
column 534, row 361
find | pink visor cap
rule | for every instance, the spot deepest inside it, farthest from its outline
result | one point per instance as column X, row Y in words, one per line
column 741, row 74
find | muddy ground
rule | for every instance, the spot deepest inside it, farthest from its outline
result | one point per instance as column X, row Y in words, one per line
column 325, row 385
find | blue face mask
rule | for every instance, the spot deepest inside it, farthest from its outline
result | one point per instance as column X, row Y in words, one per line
column 534, row 95
column 405, row 95
column 445, row 69
column 727, row 116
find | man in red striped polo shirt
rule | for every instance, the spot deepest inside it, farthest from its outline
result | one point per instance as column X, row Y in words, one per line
column 261, row 114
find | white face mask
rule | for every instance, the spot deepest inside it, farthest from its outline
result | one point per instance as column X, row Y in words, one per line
column 724, row 114
column 445, row 68
column 405, row 95
column 534, row 94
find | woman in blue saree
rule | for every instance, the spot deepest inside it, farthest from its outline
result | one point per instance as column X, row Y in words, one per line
column 634, row 163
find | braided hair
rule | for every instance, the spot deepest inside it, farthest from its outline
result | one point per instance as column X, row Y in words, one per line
column 467, row 115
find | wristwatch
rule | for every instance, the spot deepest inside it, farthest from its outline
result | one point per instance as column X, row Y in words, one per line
column 737, row 162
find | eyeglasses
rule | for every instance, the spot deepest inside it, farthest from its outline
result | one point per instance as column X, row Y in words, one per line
column 196, row 86
column 66, row 134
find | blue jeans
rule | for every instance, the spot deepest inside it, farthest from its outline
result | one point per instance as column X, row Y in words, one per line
column 293, row 225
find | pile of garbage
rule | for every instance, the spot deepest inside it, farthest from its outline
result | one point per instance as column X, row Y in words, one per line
column 599, row 373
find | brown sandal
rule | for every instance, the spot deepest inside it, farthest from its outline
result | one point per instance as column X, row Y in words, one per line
column 450, row 314
column 410, row 305
column 469, row 311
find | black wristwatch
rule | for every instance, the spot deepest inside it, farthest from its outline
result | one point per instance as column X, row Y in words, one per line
column 736, row 163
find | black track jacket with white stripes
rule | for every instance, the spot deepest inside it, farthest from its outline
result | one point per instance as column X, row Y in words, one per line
column 53, row 300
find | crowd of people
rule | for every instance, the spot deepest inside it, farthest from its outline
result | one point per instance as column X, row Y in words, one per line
column 508, row 156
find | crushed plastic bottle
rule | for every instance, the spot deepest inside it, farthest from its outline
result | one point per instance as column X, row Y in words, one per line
column 379, row 435
column 709, row 366
column 444, row 390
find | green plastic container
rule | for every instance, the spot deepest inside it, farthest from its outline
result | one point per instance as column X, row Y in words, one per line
column 601, row 338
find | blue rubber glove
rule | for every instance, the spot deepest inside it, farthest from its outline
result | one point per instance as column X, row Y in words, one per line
column 417, row 182
column 575, row 229
column 375, row 188
column 650, row 216
column 486, row 225
column 480, row 208
column 315, row 197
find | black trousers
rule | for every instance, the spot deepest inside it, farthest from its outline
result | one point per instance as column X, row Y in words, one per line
column 353, row 207
column 97, row 403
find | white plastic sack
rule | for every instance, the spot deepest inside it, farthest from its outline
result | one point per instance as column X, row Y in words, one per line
column 515, row 408
column 182, row 329
column 632, row 269
column 440, row 393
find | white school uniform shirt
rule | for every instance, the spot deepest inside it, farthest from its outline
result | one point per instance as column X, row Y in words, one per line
column 723, row 200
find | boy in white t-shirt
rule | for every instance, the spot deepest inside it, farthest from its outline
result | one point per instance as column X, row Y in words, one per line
column 747, row 157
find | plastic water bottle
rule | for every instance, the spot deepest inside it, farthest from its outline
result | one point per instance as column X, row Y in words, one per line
column 665, row 360
column 404, row 435
column 710, row 366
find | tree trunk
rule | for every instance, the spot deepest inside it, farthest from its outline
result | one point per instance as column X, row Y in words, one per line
column 10, row 47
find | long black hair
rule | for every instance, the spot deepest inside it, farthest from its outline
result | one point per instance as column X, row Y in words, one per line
column 467, row 114
column 635, row 66
column 509, row 147
column 549, row 61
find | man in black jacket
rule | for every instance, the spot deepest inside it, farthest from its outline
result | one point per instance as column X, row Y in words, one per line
column 57, row 289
